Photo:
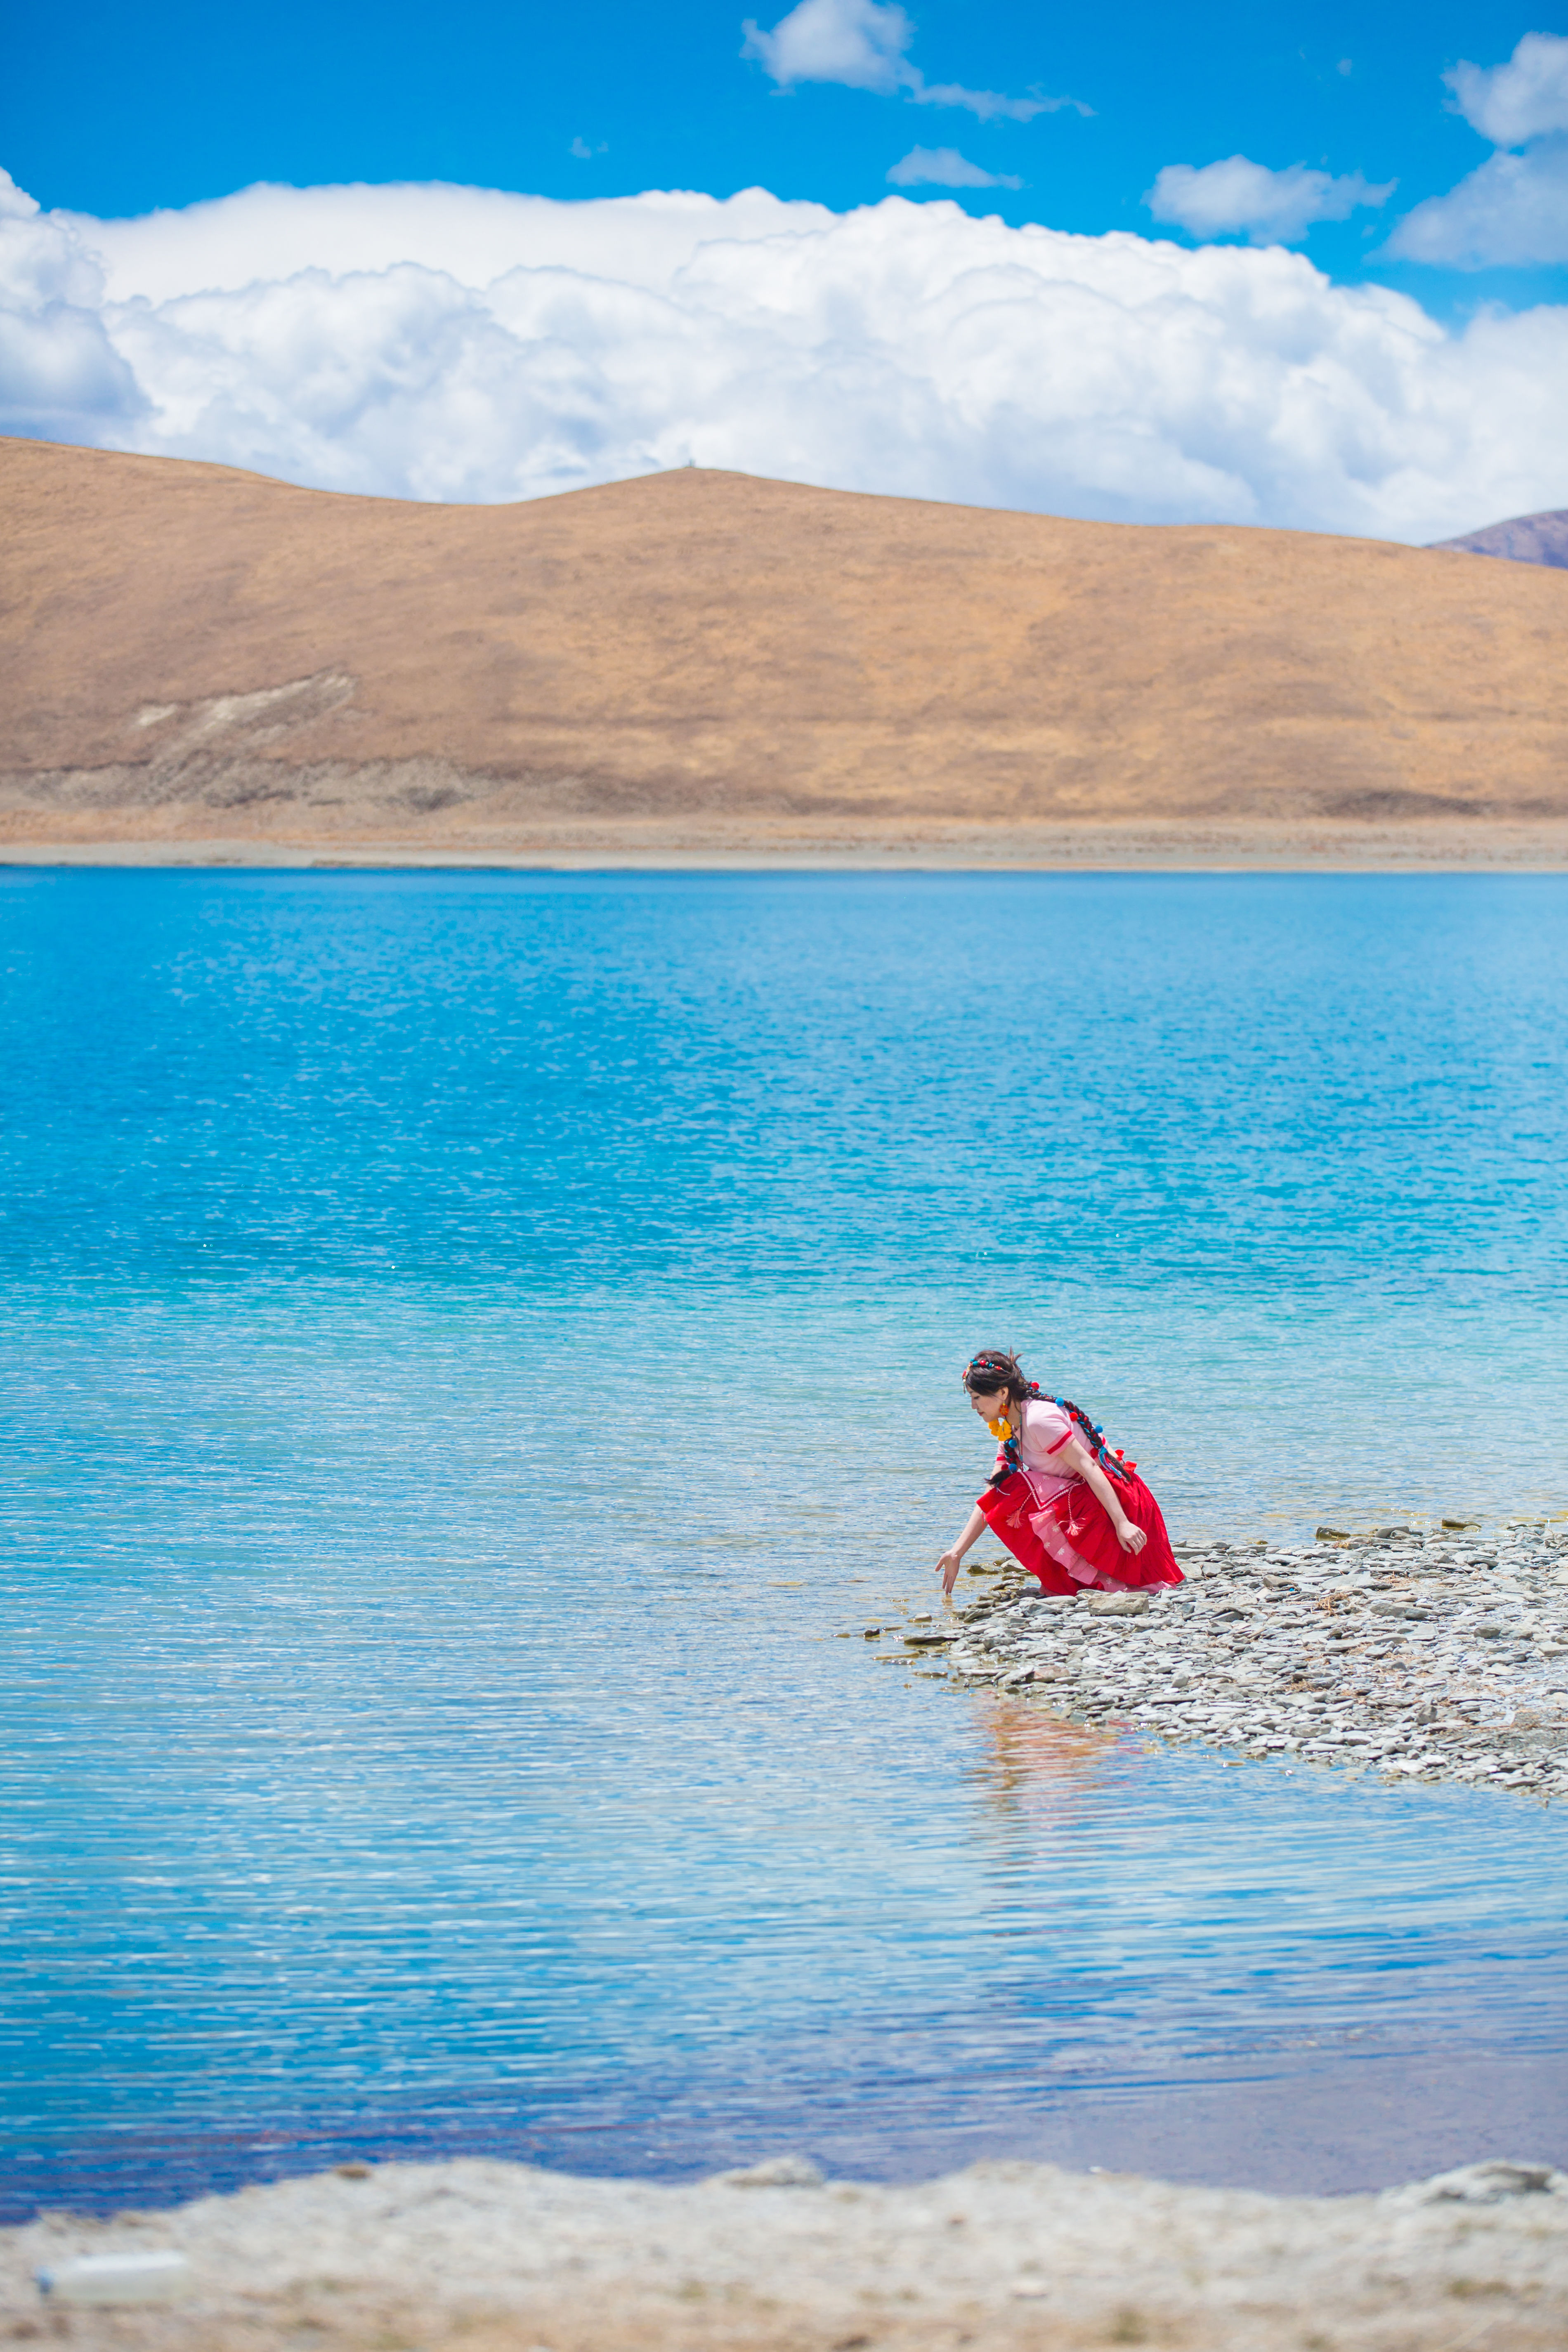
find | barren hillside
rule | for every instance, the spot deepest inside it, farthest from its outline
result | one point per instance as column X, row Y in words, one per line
column 198, row 661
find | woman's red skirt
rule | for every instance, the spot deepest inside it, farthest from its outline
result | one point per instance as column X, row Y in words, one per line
column 1069, row 1543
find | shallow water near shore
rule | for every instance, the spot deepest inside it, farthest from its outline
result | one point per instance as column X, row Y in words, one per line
column 399, row 1755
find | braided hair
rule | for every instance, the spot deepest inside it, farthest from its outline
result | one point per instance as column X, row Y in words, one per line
column 997, row 1368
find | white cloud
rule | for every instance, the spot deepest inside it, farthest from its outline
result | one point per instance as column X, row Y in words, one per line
column 861, row 44
column 60, row 375
column 990, row 105
column 273, row 233
column 854, row 42
column 1523, row 100
column 1513, row 210
column 1272, row 207
column 945, row 167
column 444, row 343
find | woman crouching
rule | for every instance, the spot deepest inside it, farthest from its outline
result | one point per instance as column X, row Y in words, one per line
column 1073, row 1513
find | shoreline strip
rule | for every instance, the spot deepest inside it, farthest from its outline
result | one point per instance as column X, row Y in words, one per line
column 1426, row 1655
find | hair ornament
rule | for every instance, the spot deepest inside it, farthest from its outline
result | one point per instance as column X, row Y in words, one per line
column 991, row 1368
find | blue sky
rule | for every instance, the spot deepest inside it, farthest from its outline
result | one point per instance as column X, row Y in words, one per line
column 115, row 111
column 1306, row 267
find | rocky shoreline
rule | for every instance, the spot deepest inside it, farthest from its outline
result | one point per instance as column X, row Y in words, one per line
column 1423, row 1653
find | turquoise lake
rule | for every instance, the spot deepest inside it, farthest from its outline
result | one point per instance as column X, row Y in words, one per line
column 475, row 1342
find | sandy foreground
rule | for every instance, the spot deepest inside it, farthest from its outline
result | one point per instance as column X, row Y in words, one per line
column 486, row 2255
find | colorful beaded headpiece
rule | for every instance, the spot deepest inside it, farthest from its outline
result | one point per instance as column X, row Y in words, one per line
column 993, row 1370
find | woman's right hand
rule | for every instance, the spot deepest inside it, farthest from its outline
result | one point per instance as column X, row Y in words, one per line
column 947, row 1568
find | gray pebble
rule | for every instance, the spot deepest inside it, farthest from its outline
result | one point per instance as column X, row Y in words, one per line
column 1402, row 1650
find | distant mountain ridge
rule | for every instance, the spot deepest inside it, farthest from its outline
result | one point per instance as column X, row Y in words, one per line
column 697, row 665
column 1526, row 538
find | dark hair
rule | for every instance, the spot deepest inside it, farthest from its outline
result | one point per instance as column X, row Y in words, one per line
column 998, row 1367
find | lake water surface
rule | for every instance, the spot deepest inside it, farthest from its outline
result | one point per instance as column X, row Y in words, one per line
column 475, row 1342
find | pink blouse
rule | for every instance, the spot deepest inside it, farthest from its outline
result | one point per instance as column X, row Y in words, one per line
column 1045, row 1431
column 1042, row 1442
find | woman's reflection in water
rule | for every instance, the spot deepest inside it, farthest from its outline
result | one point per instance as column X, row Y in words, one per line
column 1038, row 1767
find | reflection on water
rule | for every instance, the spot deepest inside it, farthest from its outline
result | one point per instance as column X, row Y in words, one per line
column 1037, row 1770
column 396, row 1755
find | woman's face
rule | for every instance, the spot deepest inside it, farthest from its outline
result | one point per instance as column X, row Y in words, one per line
column 990, row 1408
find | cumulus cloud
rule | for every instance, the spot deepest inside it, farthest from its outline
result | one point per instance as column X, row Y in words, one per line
column 856, row 42
column 440, row 342
column 1512, row 211
column 61, row 377
column 1271, row 207
column 861, row 44
column 1521, row 100
column 945, row 167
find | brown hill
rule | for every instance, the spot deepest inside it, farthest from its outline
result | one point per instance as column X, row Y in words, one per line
column 1525, row 539
column 694, row 666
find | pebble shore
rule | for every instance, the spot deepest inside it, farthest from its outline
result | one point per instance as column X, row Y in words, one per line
column 1423, row 1653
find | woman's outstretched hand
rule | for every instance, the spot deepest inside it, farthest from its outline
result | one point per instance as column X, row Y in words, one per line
column 1129, row 1537
column 947, row 1568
